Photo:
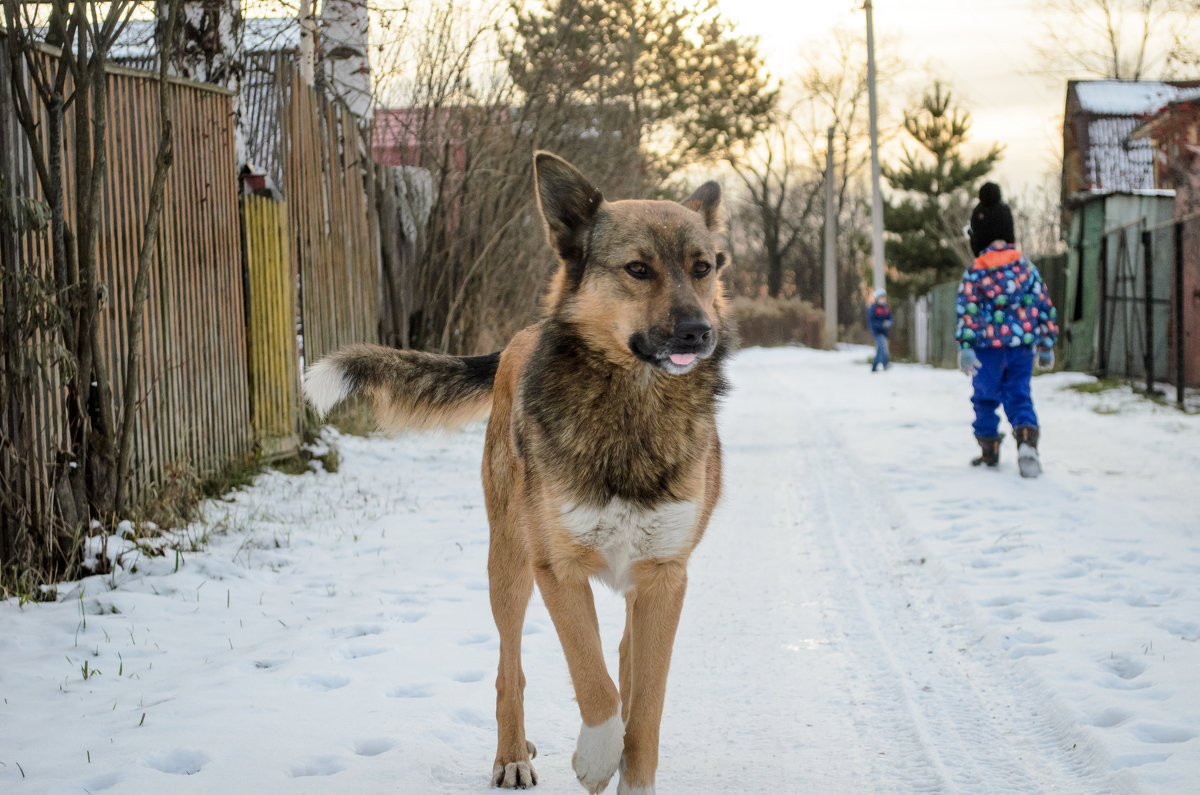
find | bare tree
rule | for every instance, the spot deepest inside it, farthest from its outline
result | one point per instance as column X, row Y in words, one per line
column 782, row 209
column 781, row 195
column 1119, row 39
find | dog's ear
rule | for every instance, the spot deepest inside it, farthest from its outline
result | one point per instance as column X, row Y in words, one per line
column 568, row 203
column 707, row 201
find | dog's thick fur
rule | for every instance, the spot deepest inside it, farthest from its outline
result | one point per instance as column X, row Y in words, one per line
column 601, row 458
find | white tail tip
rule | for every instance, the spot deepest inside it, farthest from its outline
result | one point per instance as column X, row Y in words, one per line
column 325, row 385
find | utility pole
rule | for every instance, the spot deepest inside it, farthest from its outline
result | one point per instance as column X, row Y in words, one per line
column 831, row 313
column 876, row 196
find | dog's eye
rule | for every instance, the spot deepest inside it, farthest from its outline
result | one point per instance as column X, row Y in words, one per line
column 701, row 269
column 639, row 270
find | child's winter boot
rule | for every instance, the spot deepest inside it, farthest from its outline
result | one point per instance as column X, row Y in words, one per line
column 1027, row 454
column 990, row 447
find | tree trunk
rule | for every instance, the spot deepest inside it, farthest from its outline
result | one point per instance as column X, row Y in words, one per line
column 163, row 160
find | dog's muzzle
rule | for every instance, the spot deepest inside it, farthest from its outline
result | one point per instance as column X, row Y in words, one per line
column 692, row 340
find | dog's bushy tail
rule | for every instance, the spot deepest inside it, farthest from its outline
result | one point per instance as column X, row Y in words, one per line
column 408, row 389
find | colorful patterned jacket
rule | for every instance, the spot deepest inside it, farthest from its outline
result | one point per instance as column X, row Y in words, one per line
column 1003, row 302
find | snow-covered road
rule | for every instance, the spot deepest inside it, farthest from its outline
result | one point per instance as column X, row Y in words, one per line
column 867, row 613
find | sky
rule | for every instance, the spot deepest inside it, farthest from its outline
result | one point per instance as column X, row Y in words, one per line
column 867, row 613
column 982, row 50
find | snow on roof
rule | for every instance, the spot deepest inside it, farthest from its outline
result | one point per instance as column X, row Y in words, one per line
column 1129, row 97
column 1123, row 97
column 259, row 34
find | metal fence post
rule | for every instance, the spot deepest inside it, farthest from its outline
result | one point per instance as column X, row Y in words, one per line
column 1179, row 325
column 1148, row 303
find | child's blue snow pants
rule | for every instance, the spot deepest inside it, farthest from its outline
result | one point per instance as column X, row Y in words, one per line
column 1003, row 379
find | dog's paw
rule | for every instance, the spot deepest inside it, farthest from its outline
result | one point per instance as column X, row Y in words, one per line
column 598, row 752
column 514, row 775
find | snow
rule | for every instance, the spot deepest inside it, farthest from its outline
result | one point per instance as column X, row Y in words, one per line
column 1127, row 97
column 867, row 613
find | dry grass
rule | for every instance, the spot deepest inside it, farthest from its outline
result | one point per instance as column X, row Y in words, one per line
column 778, row 321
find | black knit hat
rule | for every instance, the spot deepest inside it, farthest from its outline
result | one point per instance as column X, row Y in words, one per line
column 991, row 220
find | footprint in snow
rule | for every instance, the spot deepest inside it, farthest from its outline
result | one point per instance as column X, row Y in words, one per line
column 373, row 746
column 410, row 691
column 1187, row 630
column 467, row 676
column 411, row 616
column 358, row 631
column 472, row 640
column 1136, row 760
column 317, row 766
column 323, row 682
column 1056, row 614
column 181, row 761
column 1109, row 718
column 355, row 652
column 101, row 783
column 1157, row 733
column 469, row 717
column 1124, row 666
column 1001, row 601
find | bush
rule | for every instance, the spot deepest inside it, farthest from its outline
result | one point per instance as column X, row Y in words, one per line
column 778, row 321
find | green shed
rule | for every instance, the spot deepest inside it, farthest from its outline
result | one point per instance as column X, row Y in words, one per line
column 1102, row 319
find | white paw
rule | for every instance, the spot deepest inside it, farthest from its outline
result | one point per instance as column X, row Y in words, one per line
column 598, row 752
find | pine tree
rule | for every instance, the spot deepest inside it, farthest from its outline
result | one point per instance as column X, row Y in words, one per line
column 934, row 188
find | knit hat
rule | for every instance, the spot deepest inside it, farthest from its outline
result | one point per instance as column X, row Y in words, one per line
column 991, row 219
column 880, row 293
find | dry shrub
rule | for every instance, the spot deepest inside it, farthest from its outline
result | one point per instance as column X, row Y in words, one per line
column 778, row 321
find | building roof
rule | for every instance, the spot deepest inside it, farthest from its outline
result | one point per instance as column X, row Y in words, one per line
column 1124, row 97
column 1101, row 117
column 259, row 34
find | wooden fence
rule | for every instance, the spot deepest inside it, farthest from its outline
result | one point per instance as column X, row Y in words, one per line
column 331, row 211
column 193, row 410
column 221, row 358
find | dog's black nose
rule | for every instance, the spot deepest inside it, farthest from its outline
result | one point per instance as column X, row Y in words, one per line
column 693, row 332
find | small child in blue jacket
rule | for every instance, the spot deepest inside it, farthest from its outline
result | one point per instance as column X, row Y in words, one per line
column 879, row 316
column 1004, row 316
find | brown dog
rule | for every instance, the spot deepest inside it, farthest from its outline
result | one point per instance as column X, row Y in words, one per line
column 601, row 459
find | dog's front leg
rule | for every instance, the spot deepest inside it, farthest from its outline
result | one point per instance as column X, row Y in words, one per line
column 652, row 617
column 568, row 597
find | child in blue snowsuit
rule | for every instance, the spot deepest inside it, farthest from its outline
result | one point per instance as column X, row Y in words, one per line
column 1004, row 316
column 879, row 315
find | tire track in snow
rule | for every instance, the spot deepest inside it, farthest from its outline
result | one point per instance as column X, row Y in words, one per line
column 946, row 713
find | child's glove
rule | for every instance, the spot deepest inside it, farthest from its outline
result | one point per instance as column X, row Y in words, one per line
column 968, row 362
column 1045, row 359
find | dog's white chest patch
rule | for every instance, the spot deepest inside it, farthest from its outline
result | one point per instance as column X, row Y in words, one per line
column 625, row 533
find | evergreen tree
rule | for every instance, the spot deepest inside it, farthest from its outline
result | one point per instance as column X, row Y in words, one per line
column 934, row 190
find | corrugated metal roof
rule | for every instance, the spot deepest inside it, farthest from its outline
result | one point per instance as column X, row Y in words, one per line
column 1112, row 162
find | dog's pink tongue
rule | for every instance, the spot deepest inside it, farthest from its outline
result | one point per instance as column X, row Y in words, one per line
column 683, row 359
